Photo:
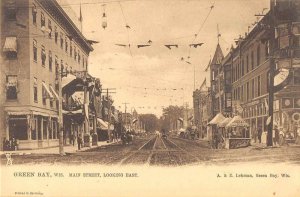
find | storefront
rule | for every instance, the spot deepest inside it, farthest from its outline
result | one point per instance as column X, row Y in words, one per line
column 32, row 130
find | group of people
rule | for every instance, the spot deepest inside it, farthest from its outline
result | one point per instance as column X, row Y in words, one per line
column 279, row 135
column 73, row 138
column 10, row 144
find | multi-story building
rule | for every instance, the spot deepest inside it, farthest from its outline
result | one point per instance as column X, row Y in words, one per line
column 244, row 72
column 216, row 81
column 39, row 42
column 202, row 108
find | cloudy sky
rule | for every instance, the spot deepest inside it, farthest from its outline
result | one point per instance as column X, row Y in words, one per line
column 152, row 77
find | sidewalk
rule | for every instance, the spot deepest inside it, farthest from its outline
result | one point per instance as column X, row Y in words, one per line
column 55, row 150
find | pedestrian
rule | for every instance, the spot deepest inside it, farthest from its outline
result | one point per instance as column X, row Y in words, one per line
column 259, row 133
column 73, row 139
column 276, row 135
column 79, row 141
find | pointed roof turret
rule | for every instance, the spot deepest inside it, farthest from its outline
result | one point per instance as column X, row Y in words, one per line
column 218, row 56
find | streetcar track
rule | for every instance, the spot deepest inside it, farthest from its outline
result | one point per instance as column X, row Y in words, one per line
column 124, row 160
column 169, row 153
column 151, row 153
column 198, row 160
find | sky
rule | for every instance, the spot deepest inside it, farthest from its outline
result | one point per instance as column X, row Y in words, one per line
column 154, row 77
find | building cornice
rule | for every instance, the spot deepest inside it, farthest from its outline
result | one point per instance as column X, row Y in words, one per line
column 55, row 9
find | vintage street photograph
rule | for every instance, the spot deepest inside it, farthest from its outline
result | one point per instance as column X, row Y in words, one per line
column 151, row 83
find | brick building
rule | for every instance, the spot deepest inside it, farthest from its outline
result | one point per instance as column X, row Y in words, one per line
column 247, row 68
column 39, row 41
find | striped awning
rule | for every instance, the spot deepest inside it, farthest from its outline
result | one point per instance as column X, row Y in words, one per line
column 10, row 44
column 102, row 124
column 47, row 90
column 54, row 93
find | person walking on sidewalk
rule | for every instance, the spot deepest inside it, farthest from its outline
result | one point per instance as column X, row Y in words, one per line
column 259, row 133
column 79, row 141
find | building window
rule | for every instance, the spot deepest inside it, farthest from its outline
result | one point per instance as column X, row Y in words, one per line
column 50, row 60
column 258, row 86
column 61, row 40
column 296, row 77
column 35, row 90
column 252, row 60
column 86, row 64
column 35, row 50
column 56, row 65
column 10, row 47
column 10, row 10
column 11, row 87
column 34, row 13
column 66, row 43
column 61, row 66
column 296, row 34
column 43, row 22
column 55, row 34
column 49, row 28
column 78, row 57
column 43, row 55
column 248, row 91
column 44, row 93
column 51, row 100
column 71, row 49
column 267, row 48
column 253, row 89
column 243, row 69
column 83, row 61
column 258, row 55
column 75, row 54
column 247, row 64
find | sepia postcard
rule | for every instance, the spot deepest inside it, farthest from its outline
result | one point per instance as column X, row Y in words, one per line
column 137, row 98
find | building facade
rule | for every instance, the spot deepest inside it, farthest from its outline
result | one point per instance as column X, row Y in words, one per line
column 39, row 42
column 240, row 81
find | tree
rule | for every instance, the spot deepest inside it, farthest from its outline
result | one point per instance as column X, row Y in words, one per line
column 170, row 116
column 150, row 121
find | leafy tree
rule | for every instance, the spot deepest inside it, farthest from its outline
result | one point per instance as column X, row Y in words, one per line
column 150, row 120
column 170, row 115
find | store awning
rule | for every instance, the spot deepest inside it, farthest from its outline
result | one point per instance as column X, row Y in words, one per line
column 47, row 90
column 66, row 80
column 10, row 44
column 79, row 111
column 102, row 124
column 54, row 93
column 217, row 119
column 78, row 97
column 237, row 121
column 224, row 122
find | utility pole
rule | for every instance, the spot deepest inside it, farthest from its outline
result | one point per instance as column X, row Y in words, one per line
column 60, row 115
column 109, row 109
column 271, row 73
column 125, row 113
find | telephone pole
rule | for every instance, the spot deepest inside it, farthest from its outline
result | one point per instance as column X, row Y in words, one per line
column 271, row 73
column 125, row 113
column 109, row 108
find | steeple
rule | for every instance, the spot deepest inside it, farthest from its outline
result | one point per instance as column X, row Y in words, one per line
column 218, row 56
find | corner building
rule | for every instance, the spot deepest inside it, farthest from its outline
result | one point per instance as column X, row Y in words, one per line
column 39, row 41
